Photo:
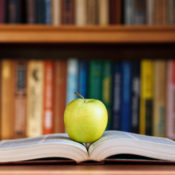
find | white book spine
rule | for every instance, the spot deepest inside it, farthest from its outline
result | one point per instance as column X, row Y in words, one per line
column 56, row 12
column 80, row 12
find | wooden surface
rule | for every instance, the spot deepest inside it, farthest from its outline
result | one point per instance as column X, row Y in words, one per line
column 122, row 169
column 88, row 34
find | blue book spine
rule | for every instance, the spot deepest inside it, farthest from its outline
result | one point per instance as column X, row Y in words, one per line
column 72, row 79
column 126, row 96
column 48, row 15
column 83, row 78
column 116, row 98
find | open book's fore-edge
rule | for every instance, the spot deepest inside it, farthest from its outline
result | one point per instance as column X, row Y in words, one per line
column 111, row 143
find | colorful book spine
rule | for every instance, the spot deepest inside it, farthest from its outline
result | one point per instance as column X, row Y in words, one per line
column 116, row 97
column 150, row 12
column 7, row 103
column 40, row 11
column 35, row 81
column 128, row 12
column 68, row 11
column 146, row 99
column 103, row 12
column 48, row 15
column 92, row 12
column 30, row 5
column 2, row 11
column 48, row 117
column 80, row 8
column 135, row 96
column 115, row 11
column 60, row 79
column 95, row 80
column 72, row 79
column 140, row 12
column 83, row 78
column 14, row 11
column 170, row 125
column 126, row 96
column 106, row 88
column 20, row 97
column 56, row 12
column 160, row 78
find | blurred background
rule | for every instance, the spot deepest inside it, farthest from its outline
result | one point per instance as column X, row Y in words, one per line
column 120, row 52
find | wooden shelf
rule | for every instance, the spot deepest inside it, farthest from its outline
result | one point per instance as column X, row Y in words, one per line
column 120, row 169
column 88, row 34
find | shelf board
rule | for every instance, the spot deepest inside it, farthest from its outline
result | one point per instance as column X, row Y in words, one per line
column 87, row 34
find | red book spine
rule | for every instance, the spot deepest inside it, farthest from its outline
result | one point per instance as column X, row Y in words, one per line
column 68, row 11
column 114, row 11
column 2, row 11
column 48, row 98
column 59, row 95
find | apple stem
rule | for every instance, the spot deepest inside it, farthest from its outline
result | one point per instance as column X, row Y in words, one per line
column 80, row 96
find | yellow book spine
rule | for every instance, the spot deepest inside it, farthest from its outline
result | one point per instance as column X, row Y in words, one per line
column 7, row 99
column 146, row 92
column 159, row 98
column 35, row 79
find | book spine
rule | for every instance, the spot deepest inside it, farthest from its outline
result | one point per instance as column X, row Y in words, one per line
column 72, row 79
column 48, row 98
column 150, row 6
column 83, row 78
column 7, row 104
column 146, row 99
column 140, row 12
column 106, row 88
column 20, row 100
column 35, row 79
column 48, row 15
column 92, row 12
column 60, row 79
column 126, row 96
column 103, row 12
column 68, row 11
column 128, row 12
column 80, row 12
column 117, row 90
column 56, row 12
column 170, row 131
column 40, row 12
column 170, row 11
column 158, row 12
column 95, row 80
column 159, row 98
column 2, row 11
column 12, row 11
column 30, row 11
column 135, row 96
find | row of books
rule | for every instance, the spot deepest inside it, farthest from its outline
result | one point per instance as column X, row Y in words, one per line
column 139, row 95
column 88, row 12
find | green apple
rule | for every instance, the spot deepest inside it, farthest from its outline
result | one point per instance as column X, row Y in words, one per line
column 85, row 119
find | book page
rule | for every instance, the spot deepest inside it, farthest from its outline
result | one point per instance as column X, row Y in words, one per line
column 52, row 145
column 45, row 139
column 119, row 142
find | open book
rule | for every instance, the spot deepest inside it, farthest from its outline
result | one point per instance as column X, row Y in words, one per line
column 111, row 143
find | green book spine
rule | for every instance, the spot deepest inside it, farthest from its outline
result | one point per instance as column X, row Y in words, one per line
column 95, row 80
column 106, row 88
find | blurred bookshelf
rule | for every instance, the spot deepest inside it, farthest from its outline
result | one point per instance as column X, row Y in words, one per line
column 120, row 38
column 86, row 34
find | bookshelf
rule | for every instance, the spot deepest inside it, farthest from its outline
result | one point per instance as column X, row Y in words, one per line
column 87, row 34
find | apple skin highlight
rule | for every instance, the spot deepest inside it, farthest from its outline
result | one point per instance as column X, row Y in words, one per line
column 85, row 120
